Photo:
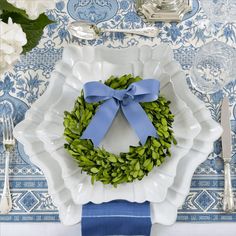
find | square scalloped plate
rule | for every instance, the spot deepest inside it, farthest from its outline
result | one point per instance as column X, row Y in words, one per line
column 41, row 131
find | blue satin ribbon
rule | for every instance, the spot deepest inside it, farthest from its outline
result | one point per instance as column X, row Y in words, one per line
column 128, row 101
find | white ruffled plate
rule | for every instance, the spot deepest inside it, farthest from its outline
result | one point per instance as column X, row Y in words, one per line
column 88, row 64
column 42, row 134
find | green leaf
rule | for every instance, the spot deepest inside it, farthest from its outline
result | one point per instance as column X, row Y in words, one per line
column 120, row 160
column 150, row 166
column 6, row 6
column 93, row 179
column 158, row 162
column 117, row 179
column 137, row 166
column 86, row 161
column 141, row 151
column 155, row 155
column 147, row 162
column 112, row 159
column 135, row 174
column 105, row 173
column 94, row 170
column 140, row 173
column 174, row 141
column 156, row 143
column 32, row 28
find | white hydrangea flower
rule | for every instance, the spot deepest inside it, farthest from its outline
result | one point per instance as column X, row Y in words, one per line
column 33, row 7
column 12, row 40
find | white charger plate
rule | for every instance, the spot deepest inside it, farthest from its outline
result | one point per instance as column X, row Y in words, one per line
column 44, row 145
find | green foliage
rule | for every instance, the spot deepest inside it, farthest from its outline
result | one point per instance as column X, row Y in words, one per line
column 116, row 169
column 5, row 6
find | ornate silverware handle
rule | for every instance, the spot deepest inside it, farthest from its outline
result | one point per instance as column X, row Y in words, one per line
column 6, row 202
column 228, row 202
column 147, row 31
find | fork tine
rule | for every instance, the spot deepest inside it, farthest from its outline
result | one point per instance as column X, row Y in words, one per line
column 11, row 127
column 8, row 128
column 4, row 125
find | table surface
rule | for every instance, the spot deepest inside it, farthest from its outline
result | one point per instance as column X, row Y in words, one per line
column 30, row 77
column 57, row 229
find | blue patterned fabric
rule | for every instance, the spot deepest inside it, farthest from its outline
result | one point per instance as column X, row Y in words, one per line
column 116, row 218
column 20, row 88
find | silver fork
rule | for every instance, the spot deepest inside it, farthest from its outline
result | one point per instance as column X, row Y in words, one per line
column 8, row 144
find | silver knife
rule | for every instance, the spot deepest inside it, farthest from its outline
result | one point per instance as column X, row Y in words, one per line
column 228, row 201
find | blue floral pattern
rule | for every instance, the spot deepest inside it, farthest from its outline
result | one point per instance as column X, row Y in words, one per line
column 92, row 10
column 20, row 88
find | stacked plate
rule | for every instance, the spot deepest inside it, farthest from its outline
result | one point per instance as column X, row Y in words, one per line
column 166, row 186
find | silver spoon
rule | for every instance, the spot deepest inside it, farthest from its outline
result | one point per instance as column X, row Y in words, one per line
column 89, row 31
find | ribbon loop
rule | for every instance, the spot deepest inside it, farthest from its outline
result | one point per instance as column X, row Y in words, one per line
column 128, row 101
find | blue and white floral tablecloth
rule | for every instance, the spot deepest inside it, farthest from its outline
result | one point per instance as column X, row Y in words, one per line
column 21, row 87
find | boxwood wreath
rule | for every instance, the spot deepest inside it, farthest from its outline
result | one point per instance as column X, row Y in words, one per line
column 107, row 167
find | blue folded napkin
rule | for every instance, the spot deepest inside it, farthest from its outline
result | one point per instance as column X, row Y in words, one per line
column 116, row 218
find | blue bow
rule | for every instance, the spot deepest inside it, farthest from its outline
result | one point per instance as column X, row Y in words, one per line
column 126, row 99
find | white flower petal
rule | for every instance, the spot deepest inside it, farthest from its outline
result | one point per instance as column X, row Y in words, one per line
column 6, row 48
column 12, row 40
column 33, row 7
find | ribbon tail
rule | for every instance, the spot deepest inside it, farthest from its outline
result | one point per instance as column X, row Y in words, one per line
column 101, row 122
column 139, row 121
